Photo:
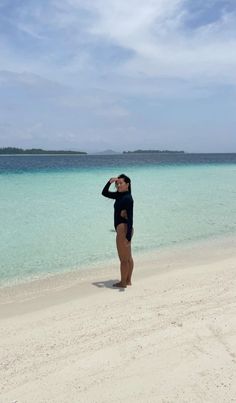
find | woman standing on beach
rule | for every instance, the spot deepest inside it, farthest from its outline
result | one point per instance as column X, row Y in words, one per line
column 123, row 222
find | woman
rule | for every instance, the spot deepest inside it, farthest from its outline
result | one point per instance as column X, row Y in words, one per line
column 123, row 222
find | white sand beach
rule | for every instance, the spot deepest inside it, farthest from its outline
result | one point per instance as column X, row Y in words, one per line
column 171, row 337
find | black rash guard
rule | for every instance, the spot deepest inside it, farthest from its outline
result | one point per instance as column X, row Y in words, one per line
column 124, row 201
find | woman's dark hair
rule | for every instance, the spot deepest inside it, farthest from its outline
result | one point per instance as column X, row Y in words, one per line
column 127, row 180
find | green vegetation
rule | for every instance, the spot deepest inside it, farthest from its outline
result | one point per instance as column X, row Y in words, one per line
column 152, row 151
column 14, row 150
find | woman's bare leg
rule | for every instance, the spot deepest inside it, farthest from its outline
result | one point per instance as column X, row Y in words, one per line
column 124, row 253
column 131, row 267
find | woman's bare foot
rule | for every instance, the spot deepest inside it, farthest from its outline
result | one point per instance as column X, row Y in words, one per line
column 128, row 283
column 119, row 285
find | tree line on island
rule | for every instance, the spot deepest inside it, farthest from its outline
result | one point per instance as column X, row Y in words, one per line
column 15, row 150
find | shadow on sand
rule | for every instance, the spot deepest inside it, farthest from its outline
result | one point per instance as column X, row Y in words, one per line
column 108, row 284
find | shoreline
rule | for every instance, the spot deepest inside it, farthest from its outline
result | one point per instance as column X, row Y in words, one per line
column 90, row 268
column 61, row 287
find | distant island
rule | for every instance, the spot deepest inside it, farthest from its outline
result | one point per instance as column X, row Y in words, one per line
column 38, row 151
column 15, row 150
column 153, row 151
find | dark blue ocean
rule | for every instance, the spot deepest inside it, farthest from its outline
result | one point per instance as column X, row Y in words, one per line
column 25, row 163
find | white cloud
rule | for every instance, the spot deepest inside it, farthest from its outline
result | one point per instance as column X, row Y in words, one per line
column 161, row 46
column 154, row 32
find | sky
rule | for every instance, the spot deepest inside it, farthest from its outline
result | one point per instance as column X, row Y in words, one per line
column 92, row 75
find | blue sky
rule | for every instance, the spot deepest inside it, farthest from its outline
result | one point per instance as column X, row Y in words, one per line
column 97, row 74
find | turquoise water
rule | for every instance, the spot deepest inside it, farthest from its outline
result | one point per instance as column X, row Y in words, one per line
column 57, row 221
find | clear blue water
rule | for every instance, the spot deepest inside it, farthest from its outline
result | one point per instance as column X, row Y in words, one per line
column 54, row 219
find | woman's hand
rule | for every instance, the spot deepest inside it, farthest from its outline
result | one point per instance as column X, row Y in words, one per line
column 123, row 214
column 112, row 180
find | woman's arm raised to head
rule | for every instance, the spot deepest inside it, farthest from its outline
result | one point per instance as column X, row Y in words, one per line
column 106, row 192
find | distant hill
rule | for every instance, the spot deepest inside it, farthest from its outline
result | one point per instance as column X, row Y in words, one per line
column 15, row 150
column 152, row 151
column 106, row 152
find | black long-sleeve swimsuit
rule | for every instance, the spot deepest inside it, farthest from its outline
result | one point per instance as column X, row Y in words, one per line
column 123, row 201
